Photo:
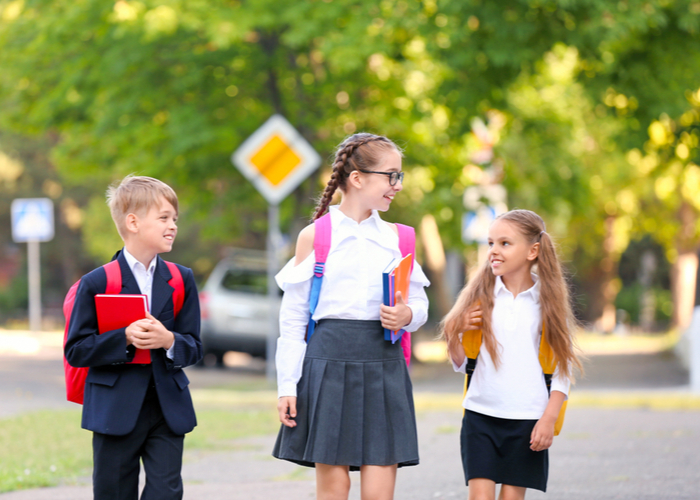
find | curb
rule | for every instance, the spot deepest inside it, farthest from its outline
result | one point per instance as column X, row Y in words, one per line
column 672, row 399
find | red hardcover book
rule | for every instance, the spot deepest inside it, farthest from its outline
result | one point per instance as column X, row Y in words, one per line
column 119, row 311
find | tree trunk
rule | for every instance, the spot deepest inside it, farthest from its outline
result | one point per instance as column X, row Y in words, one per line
column 609, row 286
column 435, row 264
column 684, row 270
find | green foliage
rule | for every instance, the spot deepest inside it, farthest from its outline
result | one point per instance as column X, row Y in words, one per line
column 170, row 89
column 630, row 298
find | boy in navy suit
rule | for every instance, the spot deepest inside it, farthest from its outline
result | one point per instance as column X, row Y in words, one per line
column 138, row 411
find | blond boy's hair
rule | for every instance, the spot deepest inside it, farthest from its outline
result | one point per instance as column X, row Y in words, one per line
column 137, row 195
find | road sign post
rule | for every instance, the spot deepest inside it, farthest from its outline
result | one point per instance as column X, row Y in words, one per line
column 275, row 159
column 484, row 203
column 32, row 223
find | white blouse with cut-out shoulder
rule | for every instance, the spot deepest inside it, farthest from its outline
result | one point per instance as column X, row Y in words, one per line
column 352, row 288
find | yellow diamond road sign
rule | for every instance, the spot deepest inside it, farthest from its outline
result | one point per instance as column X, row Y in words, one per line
column 276, row 159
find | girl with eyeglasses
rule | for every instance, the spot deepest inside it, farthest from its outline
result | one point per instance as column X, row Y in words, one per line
column 345, row 398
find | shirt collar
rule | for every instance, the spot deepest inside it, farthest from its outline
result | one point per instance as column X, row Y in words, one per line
column 373, row 227
column 533, row 291
column 338, row 217
column 133, row 263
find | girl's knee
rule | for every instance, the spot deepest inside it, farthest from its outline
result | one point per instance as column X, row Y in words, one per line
column 332, row 482
column 509, row 492
column 482, row 489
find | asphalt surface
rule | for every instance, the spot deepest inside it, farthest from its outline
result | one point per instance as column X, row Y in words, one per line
column 603, row 453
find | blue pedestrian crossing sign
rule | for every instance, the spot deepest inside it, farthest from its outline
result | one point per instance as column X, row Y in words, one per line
column 32, row 219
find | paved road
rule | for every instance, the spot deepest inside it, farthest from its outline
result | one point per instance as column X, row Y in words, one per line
column 602, row 454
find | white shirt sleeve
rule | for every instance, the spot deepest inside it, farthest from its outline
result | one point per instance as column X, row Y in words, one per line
column 560, row 383
column 294, row 318
column 417, row 299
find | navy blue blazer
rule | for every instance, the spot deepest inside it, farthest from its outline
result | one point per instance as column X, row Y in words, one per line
column 115, row 390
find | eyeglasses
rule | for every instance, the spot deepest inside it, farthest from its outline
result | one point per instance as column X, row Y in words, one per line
column 394, row 177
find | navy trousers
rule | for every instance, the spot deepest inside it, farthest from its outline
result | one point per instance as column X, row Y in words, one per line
column 116, row 458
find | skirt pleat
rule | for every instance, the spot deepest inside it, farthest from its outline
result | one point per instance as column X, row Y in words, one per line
column 354, row 401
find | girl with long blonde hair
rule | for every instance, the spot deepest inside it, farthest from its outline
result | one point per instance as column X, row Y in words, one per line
column 509, row 417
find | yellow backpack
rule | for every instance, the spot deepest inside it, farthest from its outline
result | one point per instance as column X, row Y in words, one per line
column 471, row 341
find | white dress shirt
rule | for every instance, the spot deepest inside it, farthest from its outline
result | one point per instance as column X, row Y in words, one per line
column 516, row 390
column 144, row 279
column 352, row 288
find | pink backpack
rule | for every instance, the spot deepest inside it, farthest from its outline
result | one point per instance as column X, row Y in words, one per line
column 75, row 377
column 322, row 245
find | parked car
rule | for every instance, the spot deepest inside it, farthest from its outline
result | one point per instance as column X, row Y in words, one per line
column 235, row 306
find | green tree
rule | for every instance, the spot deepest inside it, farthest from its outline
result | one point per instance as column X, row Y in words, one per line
column 667, row 168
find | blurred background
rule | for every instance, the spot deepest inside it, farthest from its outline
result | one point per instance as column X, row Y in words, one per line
column 587, row 112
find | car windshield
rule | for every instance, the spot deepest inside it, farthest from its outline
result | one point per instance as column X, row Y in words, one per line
column 240, row 280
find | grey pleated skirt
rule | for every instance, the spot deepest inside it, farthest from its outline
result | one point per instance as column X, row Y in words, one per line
column 354, row 401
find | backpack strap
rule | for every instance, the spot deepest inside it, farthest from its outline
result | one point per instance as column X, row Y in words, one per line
column 471, row 342
column 549, row 366
column 114, row 277
column 179, row 287
column 407, row 245
column 322, row 245
column 407, row 241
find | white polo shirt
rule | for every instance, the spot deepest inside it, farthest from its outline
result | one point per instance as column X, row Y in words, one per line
column 516, row 390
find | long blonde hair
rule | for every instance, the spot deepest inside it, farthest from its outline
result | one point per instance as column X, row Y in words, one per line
column 555, row 301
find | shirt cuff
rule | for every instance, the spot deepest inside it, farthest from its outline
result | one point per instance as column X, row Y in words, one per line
column 418, row 317
column 289, row 389
column 459, row 368
column 170, row 353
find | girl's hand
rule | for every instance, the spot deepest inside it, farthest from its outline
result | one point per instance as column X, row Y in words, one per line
column 542, row 435
column 543, row 432
column 287, row 408
column 395, row 318
column 472, row 319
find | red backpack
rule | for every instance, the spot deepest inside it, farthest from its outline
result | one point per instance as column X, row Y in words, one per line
column 75, row 377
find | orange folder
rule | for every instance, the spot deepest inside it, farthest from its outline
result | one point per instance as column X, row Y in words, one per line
column 397, row 279
column 119, row 311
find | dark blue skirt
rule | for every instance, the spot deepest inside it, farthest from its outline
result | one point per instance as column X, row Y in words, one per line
column 354, row 401
column 499, row 449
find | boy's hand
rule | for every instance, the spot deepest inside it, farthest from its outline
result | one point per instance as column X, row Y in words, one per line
column 395, row 318
column 149, row 333
column 137, row 327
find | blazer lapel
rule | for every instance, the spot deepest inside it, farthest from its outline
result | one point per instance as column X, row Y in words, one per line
column 162, row 291
column 129, row 284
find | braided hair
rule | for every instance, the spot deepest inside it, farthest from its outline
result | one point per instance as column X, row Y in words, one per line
column 361, row 151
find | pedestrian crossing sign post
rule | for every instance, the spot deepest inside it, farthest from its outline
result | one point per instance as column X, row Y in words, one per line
column 32, row 223
column 32, row 219
column 276, row 159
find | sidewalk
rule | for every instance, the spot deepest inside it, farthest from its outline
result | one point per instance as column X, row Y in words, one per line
column 602, row 454
column 632, row 432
